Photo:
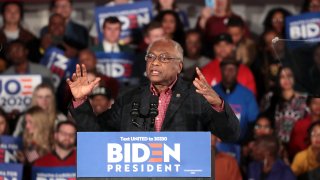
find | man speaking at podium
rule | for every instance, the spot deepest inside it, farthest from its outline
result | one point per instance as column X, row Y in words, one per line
column 167, row 103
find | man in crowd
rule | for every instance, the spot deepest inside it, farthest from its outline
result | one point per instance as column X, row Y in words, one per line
column 17, row 54
column 74, row 31
column 241, row 100
column 111, row 36
column 245, row 48
column 101, row 99
column 64, row 151
column 267, row 164
column 223, row 47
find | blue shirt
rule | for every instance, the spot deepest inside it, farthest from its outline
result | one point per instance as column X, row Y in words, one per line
column 243, row 103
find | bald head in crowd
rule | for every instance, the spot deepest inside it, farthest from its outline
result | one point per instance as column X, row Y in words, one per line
column 88, row 58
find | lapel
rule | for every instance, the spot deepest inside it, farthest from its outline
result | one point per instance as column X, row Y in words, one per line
column 179, row 94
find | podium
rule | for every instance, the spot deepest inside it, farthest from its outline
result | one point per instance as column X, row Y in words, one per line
column 139, row 155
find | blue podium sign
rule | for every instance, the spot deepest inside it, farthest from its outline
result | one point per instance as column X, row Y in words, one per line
column 143, row 154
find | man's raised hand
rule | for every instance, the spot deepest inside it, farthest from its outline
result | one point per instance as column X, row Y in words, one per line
column 79, row 84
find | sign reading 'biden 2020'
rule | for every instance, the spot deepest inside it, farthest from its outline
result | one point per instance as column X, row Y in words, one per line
column 16, row 91
column 303, row 27
column 143, row 154
column 133, row 16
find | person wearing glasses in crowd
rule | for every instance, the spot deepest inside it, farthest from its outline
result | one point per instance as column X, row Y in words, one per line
column 182, row 106
column 263, row 126
column 64, row 148
column 307, row 162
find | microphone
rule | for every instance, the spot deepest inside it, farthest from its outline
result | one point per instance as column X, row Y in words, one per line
column 153, row 112
column 135, row 115
column 276, row 39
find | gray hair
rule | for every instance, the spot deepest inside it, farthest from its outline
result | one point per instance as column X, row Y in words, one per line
column 175, row 44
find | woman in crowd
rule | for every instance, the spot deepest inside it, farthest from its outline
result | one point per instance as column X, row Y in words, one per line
column 4, row 124
column 263, row 126
column 285, row 103
column 172, row 25
column 164, row 5
column 37, row 137
column 266, row 66
column 275, row 20
column 216, row 24
column 44, row 97
column 309, row 159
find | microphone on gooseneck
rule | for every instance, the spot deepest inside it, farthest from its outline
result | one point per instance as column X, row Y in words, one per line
column 153, row 112
column 135, row 114
column 275, row 40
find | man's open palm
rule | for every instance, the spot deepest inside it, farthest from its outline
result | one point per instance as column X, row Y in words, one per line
column 79, row 84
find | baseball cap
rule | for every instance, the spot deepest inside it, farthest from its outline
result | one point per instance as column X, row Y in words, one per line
column 222, row 37
column 101, row 90
column 229, row 60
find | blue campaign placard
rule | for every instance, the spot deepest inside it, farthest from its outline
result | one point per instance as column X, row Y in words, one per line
column 143, row 154
column 304, row 27
column 16, row 91
column 116, row 65
column 61, row 173
column 11, row 171
column 9, row 146
column 61, row 66
column 132, row 16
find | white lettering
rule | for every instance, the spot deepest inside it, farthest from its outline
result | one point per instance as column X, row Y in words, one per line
column 167, row 152
column 114, row 153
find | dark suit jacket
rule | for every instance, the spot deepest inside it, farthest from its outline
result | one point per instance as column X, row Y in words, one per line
column 187, row 111
column 74, row 32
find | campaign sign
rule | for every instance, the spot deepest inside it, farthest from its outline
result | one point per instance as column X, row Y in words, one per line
column 54, row 173
column 303, row 27
column 9, row 146
column 143, row 154
column 16, row 91
column 132, row 16
column 116, row 65
column 60, row 66
column 10, row 171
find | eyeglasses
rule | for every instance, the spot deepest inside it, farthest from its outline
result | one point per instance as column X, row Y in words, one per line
column 315, row 134
column 258, row 126
column 277, row 20
column 44, row 97
column 71, row 135
column 162, row 58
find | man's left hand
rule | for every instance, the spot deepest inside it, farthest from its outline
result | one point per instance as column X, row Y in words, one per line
column 206, row 90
